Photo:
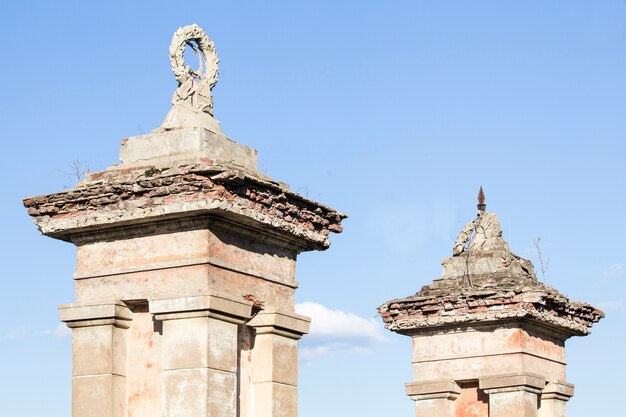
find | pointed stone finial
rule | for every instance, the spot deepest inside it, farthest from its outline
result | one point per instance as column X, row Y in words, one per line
column 481, row 200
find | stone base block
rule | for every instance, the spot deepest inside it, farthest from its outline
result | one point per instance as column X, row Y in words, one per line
column 199, row 393
column 275, row 400
column 99, row 396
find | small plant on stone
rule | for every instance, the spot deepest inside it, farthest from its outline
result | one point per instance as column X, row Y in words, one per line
column 77, row 171
column 544, row 266
column 151, row 172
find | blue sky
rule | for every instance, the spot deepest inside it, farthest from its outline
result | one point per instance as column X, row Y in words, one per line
column 393, row 112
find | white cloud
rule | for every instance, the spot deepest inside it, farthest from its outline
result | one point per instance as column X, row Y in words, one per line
column 60, row 331
column 339, row 325
column 337, row 332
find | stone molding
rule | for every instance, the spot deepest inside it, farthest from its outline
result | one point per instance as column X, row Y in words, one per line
column 290, row 325
column 442, row 389
column 202, row 260
column 559, row 390
column 215, row 306
column 87, row 315
column 512, row 382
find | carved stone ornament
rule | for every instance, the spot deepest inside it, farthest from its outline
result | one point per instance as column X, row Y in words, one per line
column 194, row 86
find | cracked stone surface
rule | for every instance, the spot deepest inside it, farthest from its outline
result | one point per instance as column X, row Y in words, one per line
column 485, row 282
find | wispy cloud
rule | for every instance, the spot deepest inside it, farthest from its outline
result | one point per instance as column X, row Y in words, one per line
column 611, row 305
column 614, row 270
column 60, row 331
column 336, row 332
column 611, row 273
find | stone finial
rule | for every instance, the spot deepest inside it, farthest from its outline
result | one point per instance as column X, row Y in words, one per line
column 481, row 200
column 481, row 234
column 192, row 100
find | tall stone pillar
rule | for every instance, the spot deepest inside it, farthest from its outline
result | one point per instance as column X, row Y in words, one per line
column 513, row 395
column 554, row 397
column 274, row 362
column 185, row 271
column 200, row 354
column 488, row 327
column 98, row 358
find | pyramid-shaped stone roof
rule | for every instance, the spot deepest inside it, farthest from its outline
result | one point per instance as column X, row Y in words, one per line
column 485, row 283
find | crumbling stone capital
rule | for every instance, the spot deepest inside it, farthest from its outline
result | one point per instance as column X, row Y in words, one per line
column 434, row 398
column 443, row 389
column 87, row 315
column 558, row 390
column 512, row 382
column 290, row 325
column 214, row 306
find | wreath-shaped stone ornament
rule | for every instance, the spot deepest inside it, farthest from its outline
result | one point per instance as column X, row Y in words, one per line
column 194, row 86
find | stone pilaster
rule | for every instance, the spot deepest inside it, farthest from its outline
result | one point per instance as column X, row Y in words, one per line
column 513, row 395
column 433, row 398
column 98, row 358
column 554, row 398
column 275, row 363
column 200, row 354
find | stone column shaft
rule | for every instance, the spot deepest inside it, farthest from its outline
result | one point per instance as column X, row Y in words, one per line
column 98, row 358
column 434, row 398
column 513, row 395
column 200, row 354
column 275, row 363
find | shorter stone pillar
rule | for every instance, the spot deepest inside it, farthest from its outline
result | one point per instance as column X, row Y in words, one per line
column 433, row 398
column 489, row 319
column 98, row 358
column 200, row 354
column 513, row 395
column 554, row 398
column 275, row 363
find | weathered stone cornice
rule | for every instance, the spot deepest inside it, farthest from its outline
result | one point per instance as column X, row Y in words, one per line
column 142, row 195
column 466, row 306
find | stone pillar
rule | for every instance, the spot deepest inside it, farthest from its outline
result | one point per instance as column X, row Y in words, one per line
column 200, row 354
column 513, row 395
column 98, row 358
column 554, row 398
column 433, row 398
column 275, row 363
column 489, row 320
column 186, row 231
